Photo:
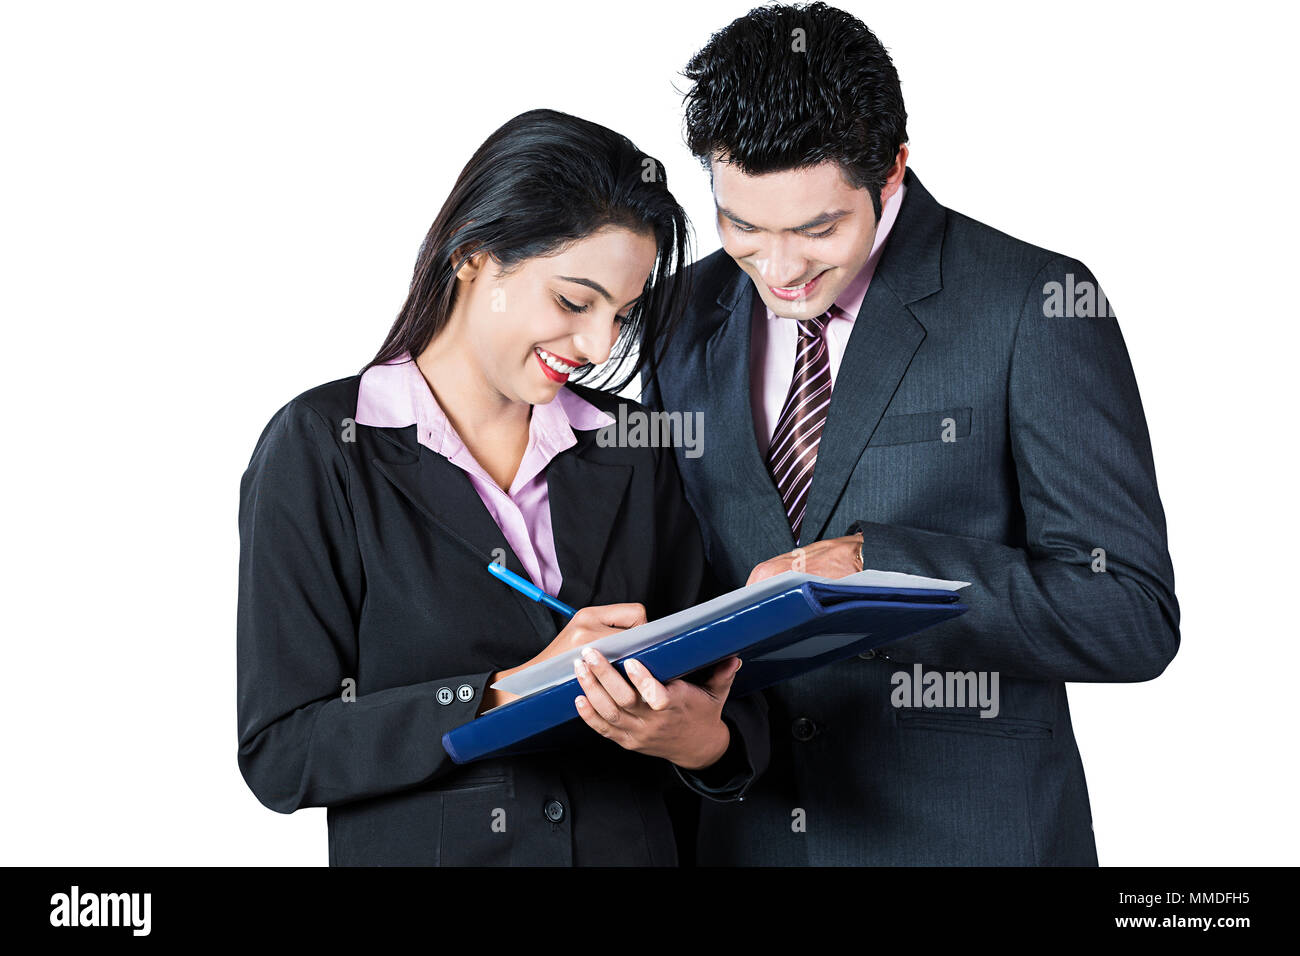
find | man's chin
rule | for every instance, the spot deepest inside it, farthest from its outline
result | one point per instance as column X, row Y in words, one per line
column 798, row 309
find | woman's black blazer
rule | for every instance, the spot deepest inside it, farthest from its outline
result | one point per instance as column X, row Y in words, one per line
column 368, row 626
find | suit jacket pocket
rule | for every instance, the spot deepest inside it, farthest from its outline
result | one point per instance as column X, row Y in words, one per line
column 482, row 827
column 972, row 723
column 921, row 426
column 488, row 775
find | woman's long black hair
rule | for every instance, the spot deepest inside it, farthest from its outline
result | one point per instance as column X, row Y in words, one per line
column 541, row 181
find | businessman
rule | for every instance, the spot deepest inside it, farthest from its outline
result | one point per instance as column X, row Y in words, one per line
column 885, row 381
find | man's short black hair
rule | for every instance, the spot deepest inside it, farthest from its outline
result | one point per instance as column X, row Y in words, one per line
column 789, row 86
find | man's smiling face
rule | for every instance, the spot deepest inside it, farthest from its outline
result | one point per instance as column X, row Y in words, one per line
column 800, row 234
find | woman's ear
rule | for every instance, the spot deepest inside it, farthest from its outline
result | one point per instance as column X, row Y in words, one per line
column 470, row 264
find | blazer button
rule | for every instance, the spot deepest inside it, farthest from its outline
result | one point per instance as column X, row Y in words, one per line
column 803, row 729
column 868, row 655
column 554, row 811
column 465, row 692
column 444, row 695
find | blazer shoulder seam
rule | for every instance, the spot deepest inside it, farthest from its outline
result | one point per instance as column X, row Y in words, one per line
column 333, row 440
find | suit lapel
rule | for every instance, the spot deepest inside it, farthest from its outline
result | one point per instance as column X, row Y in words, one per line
column 444, row 494
column 885, row 336
column 586, row 496
column 728, row 399
column 880, row 348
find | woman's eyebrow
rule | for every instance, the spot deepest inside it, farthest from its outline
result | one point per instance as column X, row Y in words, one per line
column 593, row 284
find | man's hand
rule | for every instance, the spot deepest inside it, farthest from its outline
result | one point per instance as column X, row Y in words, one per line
column 680, row 721
column 832, row 558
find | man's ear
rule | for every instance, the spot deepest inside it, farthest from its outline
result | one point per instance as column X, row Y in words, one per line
column 895, row 178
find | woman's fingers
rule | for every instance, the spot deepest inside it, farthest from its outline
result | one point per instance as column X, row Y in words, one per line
column 592, row 623
column 639, row 713
column 592, row 719
column 652, row 692
column 614, row 615
column 619, row 690
column 724, row 673
column 597, row 695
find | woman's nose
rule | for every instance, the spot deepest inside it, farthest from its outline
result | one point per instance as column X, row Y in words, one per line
column 595, row 341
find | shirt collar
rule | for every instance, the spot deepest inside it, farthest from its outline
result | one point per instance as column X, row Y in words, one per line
column 849, row 301
column 395, row 395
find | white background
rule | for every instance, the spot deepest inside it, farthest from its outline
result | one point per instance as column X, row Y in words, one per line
column 208, row 208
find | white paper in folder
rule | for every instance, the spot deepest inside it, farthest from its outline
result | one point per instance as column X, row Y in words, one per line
column 558, row 669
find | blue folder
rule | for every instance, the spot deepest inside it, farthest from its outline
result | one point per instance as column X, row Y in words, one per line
column 806, row 626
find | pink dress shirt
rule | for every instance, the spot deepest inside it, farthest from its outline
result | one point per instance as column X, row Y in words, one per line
column 773, row 338
column 396, row 395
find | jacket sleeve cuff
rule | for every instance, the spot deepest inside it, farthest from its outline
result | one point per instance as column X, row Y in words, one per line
column 747, row 755
column 730, row 777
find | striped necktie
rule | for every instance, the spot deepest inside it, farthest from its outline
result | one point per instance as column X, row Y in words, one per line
column 793, row 451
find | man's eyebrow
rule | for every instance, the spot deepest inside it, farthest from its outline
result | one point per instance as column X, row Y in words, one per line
column 821, row 220
column 593, row 284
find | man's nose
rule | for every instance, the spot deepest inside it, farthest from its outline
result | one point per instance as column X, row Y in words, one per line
column 782, row 265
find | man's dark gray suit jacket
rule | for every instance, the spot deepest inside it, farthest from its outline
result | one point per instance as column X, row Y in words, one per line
column 975, row 433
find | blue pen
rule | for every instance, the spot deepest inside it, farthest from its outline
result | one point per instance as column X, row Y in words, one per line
column 529, row 589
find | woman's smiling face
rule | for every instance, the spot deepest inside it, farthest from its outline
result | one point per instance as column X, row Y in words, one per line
column 530, row 329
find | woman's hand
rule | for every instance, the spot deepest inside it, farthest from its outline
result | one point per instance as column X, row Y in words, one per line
column 680, row 721
column 589, row 624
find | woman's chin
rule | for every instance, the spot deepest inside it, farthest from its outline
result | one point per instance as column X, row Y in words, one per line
column 539, row 393
column 541, row 388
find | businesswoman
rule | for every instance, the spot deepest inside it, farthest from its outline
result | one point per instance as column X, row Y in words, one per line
column 368, row 622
